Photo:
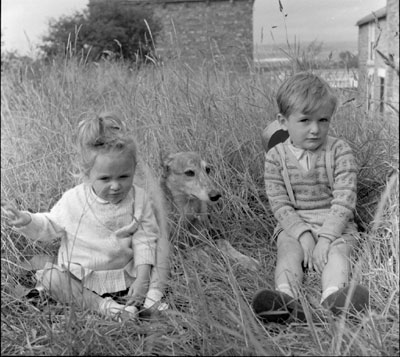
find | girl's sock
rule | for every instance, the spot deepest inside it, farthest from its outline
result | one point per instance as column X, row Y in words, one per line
column 153, row 296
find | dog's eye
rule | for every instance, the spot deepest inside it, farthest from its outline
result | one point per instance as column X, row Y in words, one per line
column 189, row 173
column 208, row 170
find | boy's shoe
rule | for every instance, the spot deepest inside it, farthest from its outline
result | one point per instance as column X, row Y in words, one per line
column 275, row 306
column 359, row 301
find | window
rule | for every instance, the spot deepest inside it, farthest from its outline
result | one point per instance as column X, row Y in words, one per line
column 381, row 94
column 381, row 76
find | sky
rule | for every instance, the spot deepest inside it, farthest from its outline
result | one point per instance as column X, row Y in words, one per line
column 24, row 22
column 309, row 20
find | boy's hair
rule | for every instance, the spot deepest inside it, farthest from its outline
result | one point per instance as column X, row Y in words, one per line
column 103, row 134
column 304, row 92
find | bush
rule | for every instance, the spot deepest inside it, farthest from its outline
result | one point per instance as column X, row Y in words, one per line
column 104, row 29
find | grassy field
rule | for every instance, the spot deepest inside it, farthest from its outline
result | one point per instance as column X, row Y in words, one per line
column 220, row 114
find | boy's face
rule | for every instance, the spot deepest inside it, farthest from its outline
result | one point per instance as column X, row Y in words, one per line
column 308, row 131
column 112, row 176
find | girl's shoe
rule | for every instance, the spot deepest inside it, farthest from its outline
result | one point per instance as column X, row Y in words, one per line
column 359, row 300
column 153, row 311
column 275, row 306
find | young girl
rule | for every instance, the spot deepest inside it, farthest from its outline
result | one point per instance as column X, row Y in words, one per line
column 113, row 125
column 107, row 227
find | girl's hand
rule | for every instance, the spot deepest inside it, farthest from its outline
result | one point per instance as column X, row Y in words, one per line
column 138, row 291
column 140, row 286
column 15, row 217
column 320, row 254
column 307, row 242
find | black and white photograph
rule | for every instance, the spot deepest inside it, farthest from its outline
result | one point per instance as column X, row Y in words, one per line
column 200, row 178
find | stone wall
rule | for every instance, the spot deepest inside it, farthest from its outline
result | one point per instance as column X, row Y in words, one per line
column 203, row 31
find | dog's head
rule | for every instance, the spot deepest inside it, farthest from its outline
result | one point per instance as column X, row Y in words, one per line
column 185, row 173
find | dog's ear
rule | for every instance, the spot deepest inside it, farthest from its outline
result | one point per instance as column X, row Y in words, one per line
column 162, row 154
column 166, row 159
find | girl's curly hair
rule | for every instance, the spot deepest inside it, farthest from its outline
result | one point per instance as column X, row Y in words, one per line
column 102, row 134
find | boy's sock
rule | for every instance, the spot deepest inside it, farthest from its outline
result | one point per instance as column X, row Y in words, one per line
column 285, row 288
column 328, row 291
column 111, row 308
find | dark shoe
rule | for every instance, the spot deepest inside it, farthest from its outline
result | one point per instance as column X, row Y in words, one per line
column 35, row 294
column 149, row 314
column 275, row 306
column 359, row 301
column 153, row 312
column 39, row 298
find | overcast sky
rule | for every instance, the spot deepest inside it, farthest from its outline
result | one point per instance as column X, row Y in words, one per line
column 308, row 20
column 23, row 22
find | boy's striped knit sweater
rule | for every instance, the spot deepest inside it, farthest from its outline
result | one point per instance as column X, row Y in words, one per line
column 317, row 205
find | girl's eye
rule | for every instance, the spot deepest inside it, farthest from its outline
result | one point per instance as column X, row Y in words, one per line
column 189, row 173
column 324, row 120
column 103, row 178
column 304, row 120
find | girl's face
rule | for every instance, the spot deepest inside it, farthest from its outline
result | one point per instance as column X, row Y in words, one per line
column 308, row 131
column 112, row 176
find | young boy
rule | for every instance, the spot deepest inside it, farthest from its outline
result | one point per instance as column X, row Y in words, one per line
column 315, row 221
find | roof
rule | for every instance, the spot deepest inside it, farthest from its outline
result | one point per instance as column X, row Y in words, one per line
column 371, row 17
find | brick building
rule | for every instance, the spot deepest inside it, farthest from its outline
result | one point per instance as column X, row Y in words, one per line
column 200, row 31
column 379, row 82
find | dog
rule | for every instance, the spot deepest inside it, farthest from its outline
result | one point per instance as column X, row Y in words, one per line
column 188, row 190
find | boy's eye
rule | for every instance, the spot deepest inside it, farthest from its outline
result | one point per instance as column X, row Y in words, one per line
column 304, row 120
column 103, row 178
column 189, row 173
column 324, row 119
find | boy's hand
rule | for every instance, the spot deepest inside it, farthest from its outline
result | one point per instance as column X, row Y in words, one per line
column 320, row 255
column 307, row 242
column 15, row 217
column 140, row 286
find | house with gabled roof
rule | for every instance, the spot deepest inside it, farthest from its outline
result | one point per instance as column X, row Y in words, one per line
column 378, row 55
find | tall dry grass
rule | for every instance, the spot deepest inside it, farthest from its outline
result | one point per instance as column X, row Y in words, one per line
column 220, row 114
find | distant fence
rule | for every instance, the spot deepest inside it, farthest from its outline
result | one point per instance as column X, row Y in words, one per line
column 337, row 78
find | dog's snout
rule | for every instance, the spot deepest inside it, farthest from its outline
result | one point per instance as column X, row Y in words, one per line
column 214, row 195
